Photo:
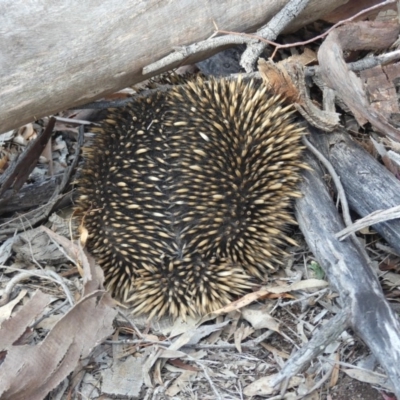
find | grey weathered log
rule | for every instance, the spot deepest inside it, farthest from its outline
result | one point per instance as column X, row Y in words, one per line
column 57, row 54
column 369, row 186
column 369, row 314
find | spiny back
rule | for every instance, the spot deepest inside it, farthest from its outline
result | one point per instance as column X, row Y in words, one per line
column 186, row 194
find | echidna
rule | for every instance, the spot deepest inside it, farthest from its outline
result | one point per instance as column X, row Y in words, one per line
column 186, row 194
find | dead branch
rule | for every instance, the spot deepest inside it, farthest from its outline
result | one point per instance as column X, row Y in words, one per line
column 39, row 213
column 277, row 24
column 15, row 176
column 371, row 219
column 369, row 186
column 369, row 314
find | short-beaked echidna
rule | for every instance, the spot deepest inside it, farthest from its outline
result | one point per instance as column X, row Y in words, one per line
column 186, row 194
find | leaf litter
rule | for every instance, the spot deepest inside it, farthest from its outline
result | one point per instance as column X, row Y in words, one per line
column 90, row 349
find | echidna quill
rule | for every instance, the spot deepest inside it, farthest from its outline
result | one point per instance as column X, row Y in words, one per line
column 186, row 194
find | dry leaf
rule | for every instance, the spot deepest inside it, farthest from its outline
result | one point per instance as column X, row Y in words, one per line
column 6, row 250
column 179, row 364
column 316, row 284
column 369, row 377
column 335, row 372
column 259, row 319
column 307, row 57
column 277, row 79
column 261, row 387
column 3, row 162
column 180, row 383
column 240, row 334
column 275, row 351
column 194, row 336
column 369, row 35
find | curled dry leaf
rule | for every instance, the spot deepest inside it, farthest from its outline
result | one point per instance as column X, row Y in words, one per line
column 241, row 333
column 260, row 318
column 277, row 79
column 287, row 77
column 369, row 377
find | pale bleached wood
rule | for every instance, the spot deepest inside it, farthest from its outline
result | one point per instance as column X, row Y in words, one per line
column 369, row 186
column 368, row 312
column 59, row 54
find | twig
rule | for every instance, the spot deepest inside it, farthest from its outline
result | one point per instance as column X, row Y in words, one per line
column 249, row 344
column 42, row 212
column 53, row 311
column 336, row 180
column 319, row 293
column 240, row 390
column 214, row 389
column 72, row 121
column 28, row 239
column 370, row 62
column 19, row 170
column 183, row 52
column 370, row 219
column 265, row 35
column 347, row 365
column 260, row 35
column 134, row 327
column 271, row 31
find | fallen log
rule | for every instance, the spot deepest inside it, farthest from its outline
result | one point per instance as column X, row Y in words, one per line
column 56, row 55
column 369, row 186
column 368, row 312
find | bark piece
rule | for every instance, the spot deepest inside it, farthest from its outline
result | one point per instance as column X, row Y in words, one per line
column 125, row 379
column 381, row 90
column 337, row 75
column 353, row 7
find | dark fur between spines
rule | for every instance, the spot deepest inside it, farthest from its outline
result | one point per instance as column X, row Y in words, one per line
column 186, row 194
